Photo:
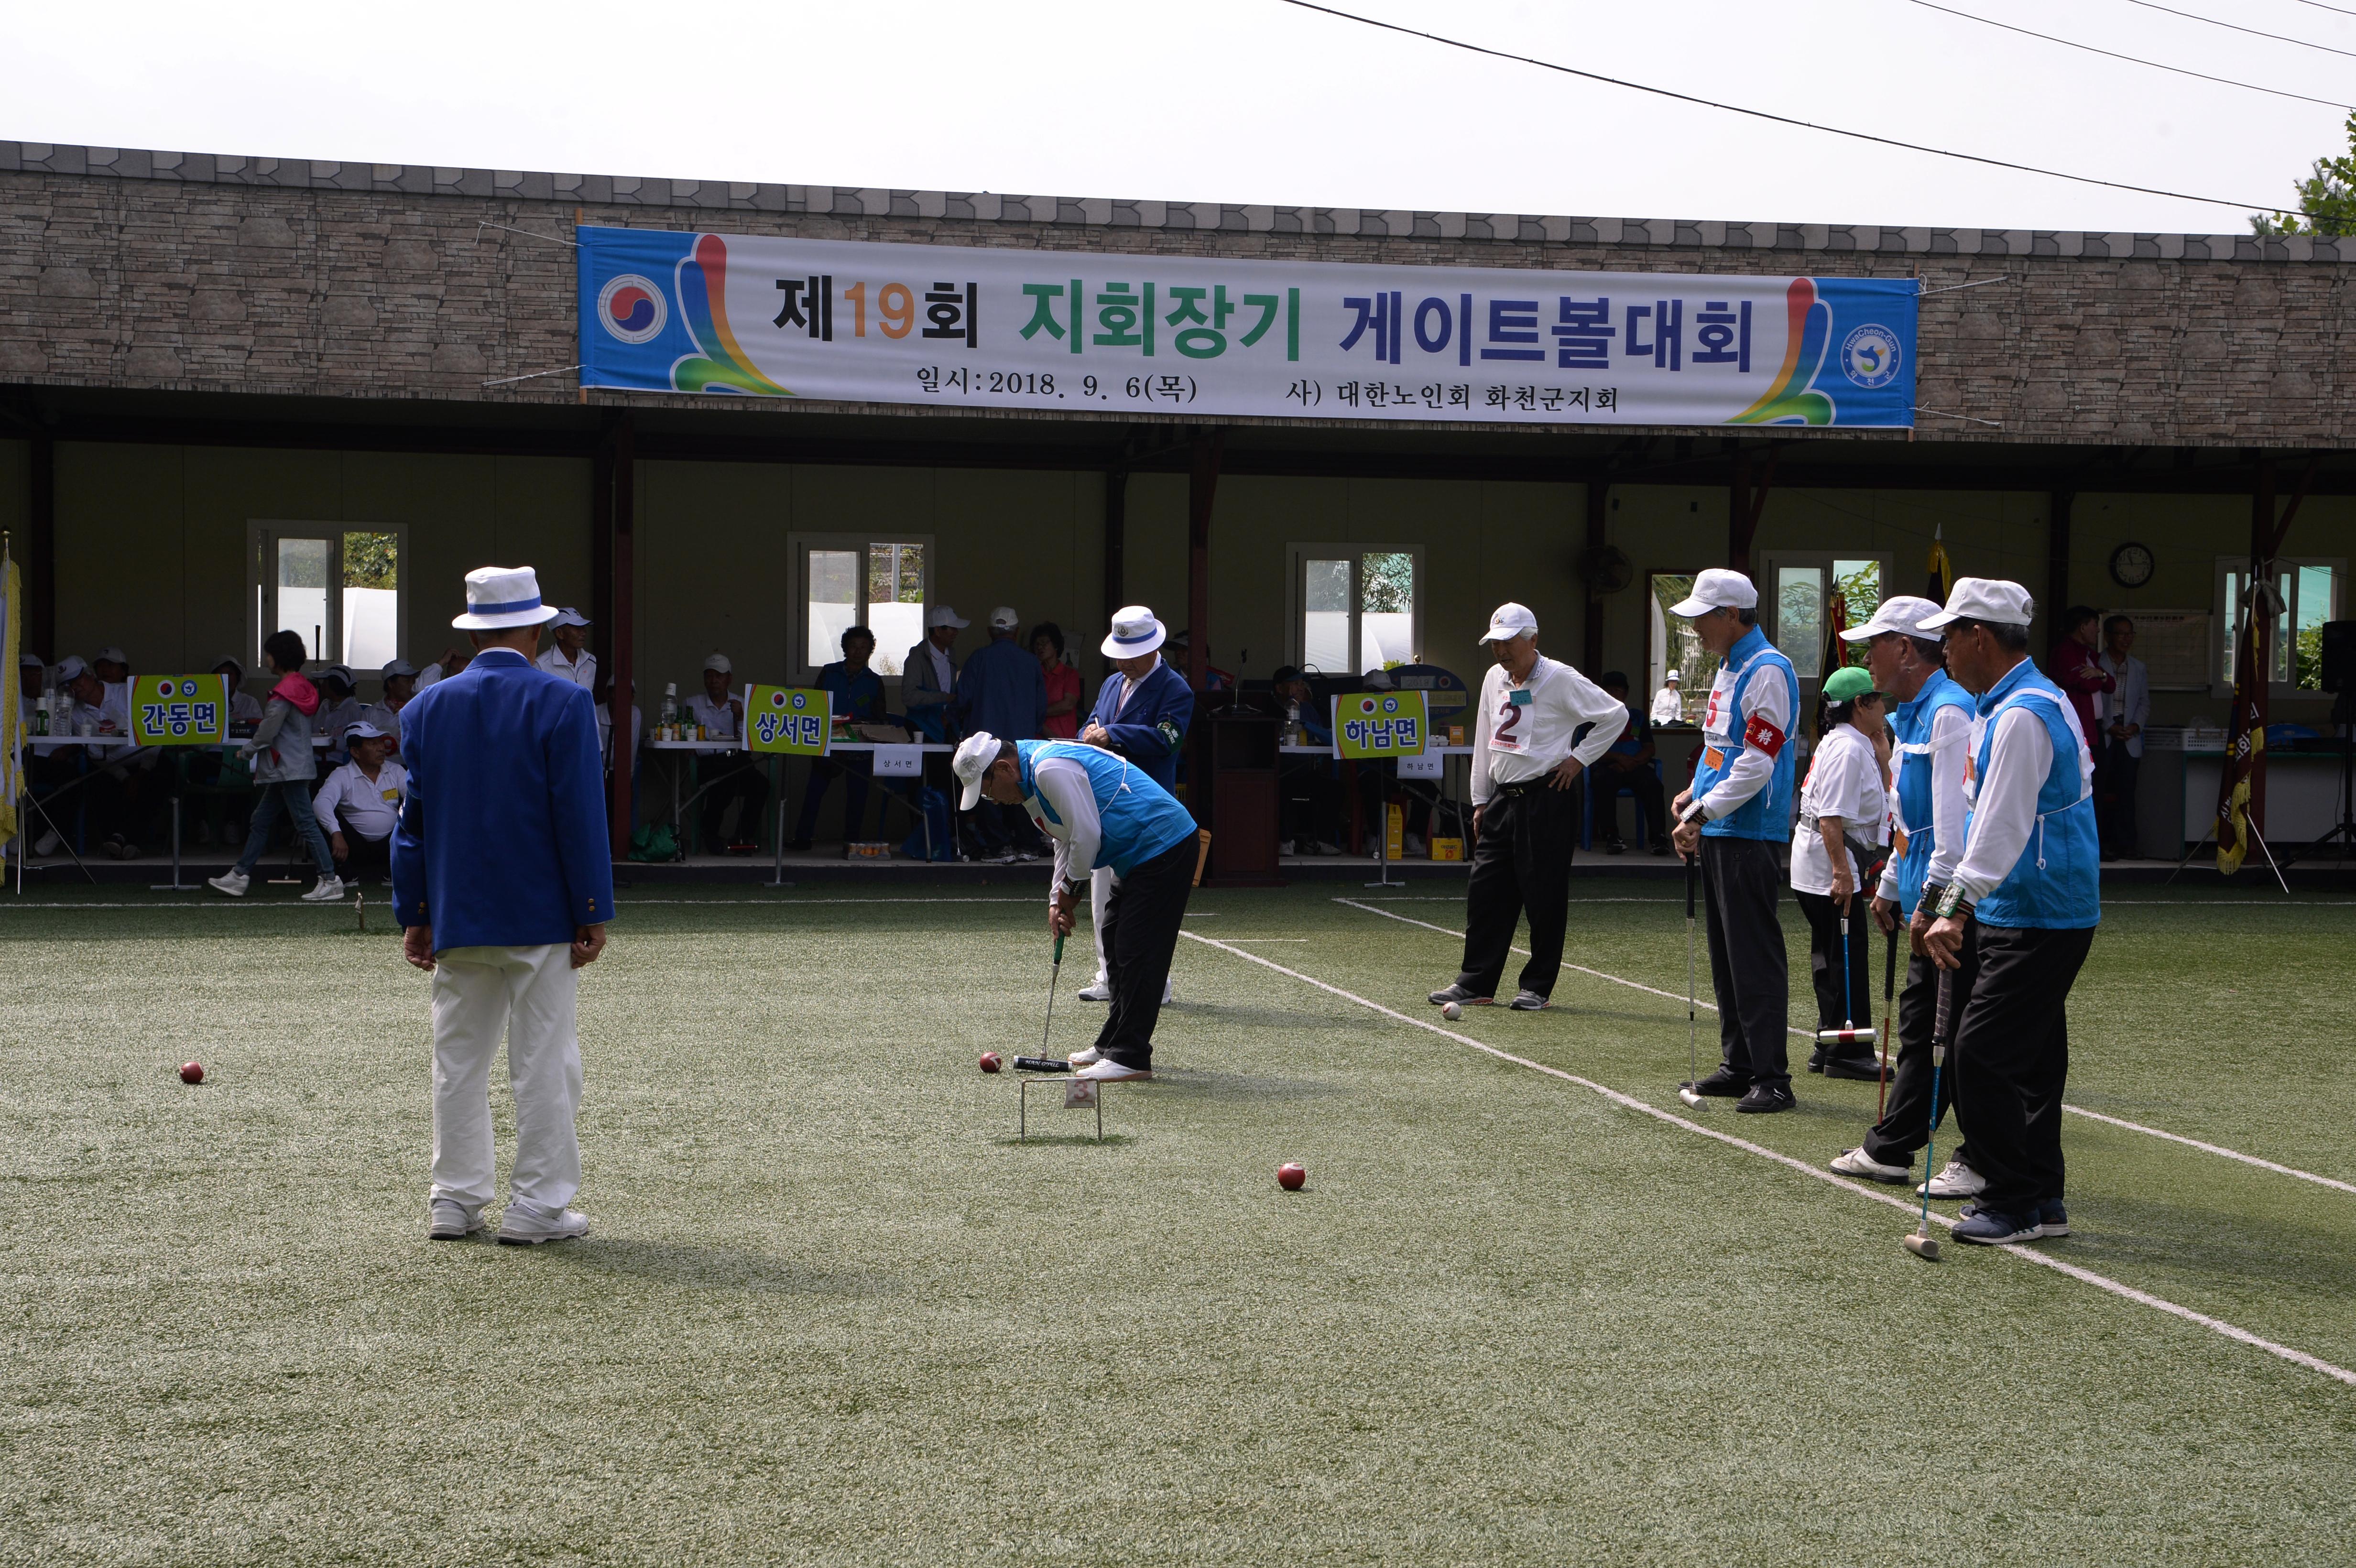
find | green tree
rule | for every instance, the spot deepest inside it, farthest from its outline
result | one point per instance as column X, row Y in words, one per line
column 2327, row 197
column 371, row 561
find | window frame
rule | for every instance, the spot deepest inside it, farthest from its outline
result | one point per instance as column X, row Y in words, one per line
column 798, row 547
column 2226, row 618
column 1296, row 597
column 262, row 536
column 1771, row 607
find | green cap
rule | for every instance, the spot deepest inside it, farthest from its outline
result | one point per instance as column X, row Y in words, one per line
column 1846, row 683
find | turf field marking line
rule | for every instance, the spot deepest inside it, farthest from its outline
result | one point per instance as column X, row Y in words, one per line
column 1629, row 1101
column 2217, row 1149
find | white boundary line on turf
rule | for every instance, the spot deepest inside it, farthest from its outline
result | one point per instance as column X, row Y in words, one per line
column 1629, row 1101
column 2218, row 1149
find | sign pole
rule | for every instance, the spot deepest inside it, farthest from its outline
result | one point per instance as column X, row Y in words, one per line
column 174, row 885
column 1383, row 830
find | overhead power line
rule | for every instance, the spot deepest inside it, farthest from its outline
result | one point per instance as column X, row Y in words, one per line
column 2131, row 60
column 2319, row 5
column 2237, row 28
column 1802, row 124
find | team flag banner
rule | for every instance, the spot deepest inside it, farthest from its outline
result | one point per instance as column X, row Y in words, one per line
column 849, row 321
column 1380, row 724
column 788, row 720
column 179, row 709
column 12, row 736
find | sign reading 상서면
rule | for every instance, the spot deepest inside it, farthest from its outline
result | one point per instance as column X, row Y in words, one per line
column 850, row 321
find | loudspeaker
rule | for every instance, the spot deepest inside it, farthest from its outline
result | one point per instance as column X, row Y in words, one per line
column 2340, row 655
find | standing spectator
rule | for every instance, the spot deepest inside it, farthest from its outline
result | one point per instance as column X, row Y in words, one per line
column 1002, row 691
column 1669, row 702
column 568, row 656
column 2078, row 669
column 1142, row 715
column 729, row 775
column 358, row 804
column 400, row 679
column 502, row 878
column 929, row 677
column 1525, row 820
column 1629, row 765
column 855, row 693
column 340, row 710
column 1733, row 815
column 2119, row 759
column 1064, row 688
column 283, row 767
column 1843, row 808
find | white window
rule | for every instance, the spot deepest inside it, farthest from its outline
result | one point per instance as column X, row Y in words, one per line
column 1357, row 607
column 2310, row 591
column 1676, row 645
column 335, row 586
column 849, row 580
column 1802, row 594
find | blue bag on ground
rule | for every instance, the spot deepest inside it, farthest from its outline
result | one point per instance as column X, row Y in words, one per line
column 937, row 816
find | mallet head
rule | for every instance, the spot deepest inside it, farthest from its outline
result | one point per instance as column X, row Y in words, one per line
column 1690, row 1095
column 1920, row 1245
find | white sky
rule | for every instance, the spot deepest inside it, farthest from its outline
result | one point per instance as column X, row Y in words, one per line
column 1236, row 100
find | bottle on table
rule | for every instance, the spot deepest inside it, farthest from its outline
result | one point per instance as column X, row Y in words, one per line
column 667, row 726
column 1292, row 722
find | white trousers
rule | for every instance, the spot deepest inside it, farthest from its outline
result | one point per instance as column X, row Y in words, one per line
column 528, row 994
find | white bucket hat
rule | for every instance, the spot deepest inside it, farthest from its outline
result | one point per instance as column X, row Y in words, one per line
column 942, row 615
column 1990, row 598
column 1718, row 588
column 1508, row 622
column 501, row 598
column 1903, row 615
column 1135, row 632
column 975, row 753
column 1672, row 676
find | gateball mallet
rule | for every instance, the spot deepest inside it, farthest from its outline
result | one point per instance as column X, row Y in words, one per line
column 1848, row 1033
column 1054, row 975
column 1922, row 1243
column 1689, row 1090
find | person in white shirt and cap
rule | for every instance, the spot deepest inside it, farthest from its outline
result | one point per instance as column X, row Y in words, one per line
column 1844, row 820
column 115, row 806
column 400, row 679
column 340, row 710
column 1669, row 702
column 358, row 804
column 929, row 677
column 568, row 656
column 2121, row 714
column 1538, row 725
column 112, row 667
column 729, row 774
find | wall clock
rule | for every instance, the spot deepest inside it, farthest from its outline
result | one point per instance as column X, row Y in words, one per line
column 2131, row 565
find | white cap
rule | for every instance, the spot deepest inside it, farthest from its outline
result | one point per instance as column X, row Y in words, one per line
column 30, row 661
column 1718, row 588
column 720, row 662
column 974, row 755
column 342, row 672
column 1510, row 620
column 233, row 662
column 361, row 730
column 70, row 667
column 398, row 667
column 109, row 656
column 501, row 598
column 1004, row 619
column 569, row 616
column 1379, row 680
column 942, row 615
column 1903, row 615
column 1135, row 632
column 1671, row 675
column 1985, row 598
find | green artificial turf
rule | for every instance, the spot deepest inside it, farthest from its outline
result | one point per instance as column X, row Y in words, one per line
column 832, row 1312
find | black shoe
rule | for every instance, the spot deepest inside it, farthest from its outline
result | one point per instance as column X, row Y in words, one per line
column 1865, row 1068
column 1459, row 995
column 1660, row 846
column 1816, row 1059
column 1528, row 1001
column 1723, row 1084
column 1765, row 1099
column 1615, row 847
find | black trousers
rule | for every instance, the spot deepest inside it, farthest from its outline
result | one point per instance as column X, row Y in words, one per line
column 1642, row 786
column 1749, row 975
column 365, row 857
column 1141, row 933
column 743, row 779
column 854, row 768
column 1521, row 864
column 2011, row 1062
column 1905, row 1124
column 1826, row 965
column 2114, row 793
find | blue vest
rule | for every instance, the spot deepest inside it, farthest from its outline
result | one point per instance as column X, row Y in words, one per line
column 1140, row 819
column 2057, row 883
column 1768, row 813
column 1911, row 728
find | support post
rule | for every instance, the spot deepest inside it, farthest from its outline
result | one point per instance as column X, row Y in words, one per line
column 2057, row 560
column 1116, row 541
column 622, row 497
column 1746, row 503
column 1202, row 485
column 2262, row 552
column 601, row 555
column 41, row 534
column 1599, row 502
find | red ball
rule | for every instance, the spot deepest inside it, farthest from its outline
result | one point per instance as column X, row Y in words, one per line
column 1291, row 1177
column 991, row 1061
column 192, row 1072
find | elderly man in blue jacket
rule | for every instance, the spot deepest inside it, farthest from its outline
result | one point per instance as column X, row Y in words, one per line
column 1002, row 691
column 1142, row 712
column 502, row 878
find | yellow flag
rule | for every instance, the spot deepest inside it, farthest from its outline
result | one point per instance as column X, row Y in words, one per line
column 1941, row 571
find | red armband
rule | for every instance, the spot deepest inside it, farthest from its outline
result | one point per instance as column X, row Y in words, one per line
column 1763, row 735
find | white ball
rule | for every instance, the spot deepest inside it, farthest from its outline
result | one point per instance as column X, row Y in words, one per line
column 1450, row 1011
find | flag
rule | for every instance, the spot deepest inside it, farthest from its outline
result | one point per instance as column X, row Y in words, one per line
column 1941, row 571
column 12, row 743
column 1836, row 622
column 2245, row 729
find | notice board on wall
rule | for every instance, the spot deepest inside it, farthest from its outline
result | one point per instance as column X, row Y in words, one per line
column 2173, row 645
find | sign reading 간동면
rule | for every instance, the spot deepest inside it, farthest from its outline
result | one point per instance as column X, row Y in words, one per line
column 850, row 321
column 179, row 709
column 1381, row 724
column 792, row 720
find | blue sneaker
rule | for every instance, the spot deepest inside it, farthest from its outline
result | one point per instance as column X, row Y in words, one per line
column 2052, row 1220
column 1989, row 1229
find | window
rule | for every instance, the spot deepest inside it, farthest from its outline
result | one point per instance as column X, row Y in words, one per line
column 2309, row 593
column 1806, row 597
column 1676, row 645
column 337, row 589
column 849, row 581
column 1356, row 607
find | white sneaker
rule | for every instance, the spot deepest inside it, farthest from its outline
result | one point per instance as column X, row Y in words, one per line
column 1097, row 990
column 1958, row 1180
column 1088, row 1058
column 233, row 882
column 522, row 1228
column 330, row 889
column 1169, row 993
column 1856, row 1162
column 451, row 1221
column 1113, row 1072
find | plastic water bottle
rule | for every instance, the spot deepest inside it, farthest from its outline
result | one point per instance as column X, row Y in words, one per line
column 1292, row 721
column 670, row 717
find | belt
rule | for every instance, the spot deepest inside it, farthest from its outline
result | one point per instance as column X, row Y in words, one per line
column 1516, row 791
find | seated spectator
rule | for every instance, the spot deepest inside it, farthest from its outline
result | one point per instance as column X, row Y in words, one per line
column 359, row 805
column 1066, row 690
column 242, row 708
column 855, row 693
column 1309, row 789
column 929, row 677
column 568, row 658
column 32, row 676
column 340, row 710
column 452, row 661
column 283, row 767
column 115, row 806
column 111, row 667
column 400, row 679
column 727, row 776
column 1628, row 765
column 1002, row 691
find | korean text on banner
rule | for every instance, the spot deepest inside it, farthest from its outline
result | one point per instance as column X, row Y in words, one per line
column 179, row 709
column 854, row 321
column 790, row 720
column 1380, row 724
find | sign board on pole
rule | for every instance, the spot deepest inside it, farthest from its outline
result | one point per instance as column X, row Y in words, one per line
column 789, row 720
column 1380, row 724
column 179, row 709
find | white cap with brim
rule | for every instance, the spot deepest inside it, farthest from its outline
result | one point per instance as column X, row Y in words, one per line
column 1903, row 615
column 720, row 662
column 229, row 664
column 569, row 616
column 502, row 598
column 30, row 661
column 109, row 656
column 70, row 667
column 975, row 753
column 1135, row 632
column 942, row 615
column 1004, row 619
column 1989, row 599
column 1718, row 588
column 1510, row 620
column 361, row 730
column 398, row 668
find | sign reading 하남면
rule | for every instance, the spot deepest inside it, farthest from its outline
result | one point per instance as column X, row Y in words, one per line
column 179, row 709
column 851, row 321
column 792, row 720
column 1380, row 724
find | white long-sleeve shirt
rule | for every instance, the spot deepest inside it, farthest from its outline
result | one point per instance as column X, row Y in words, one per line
column 2004, row 803
column 1668, row 705
column 2128, row 703
column 1064, row 785
column 372, row 804
column 1514, row 743
column 582, row 672
column 1765, row 720
column 1950, row 743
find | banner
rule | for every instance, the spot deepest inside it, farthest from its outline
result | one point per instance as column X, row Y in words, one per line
column 786, row 719
column 1380, row 724
column 2245, row 724
column 12, row 738
column 849, row 321
column 179, row 709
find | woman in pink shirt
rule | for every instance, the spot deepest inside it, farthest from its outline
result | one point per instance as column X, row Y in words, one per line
column 1064, row 684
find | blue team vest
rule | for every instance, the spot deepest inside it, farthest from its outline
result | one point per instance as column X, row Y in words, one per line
column 2057, row 883
column 1768, row 813
column 1912, row 727
column 1139, row 819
